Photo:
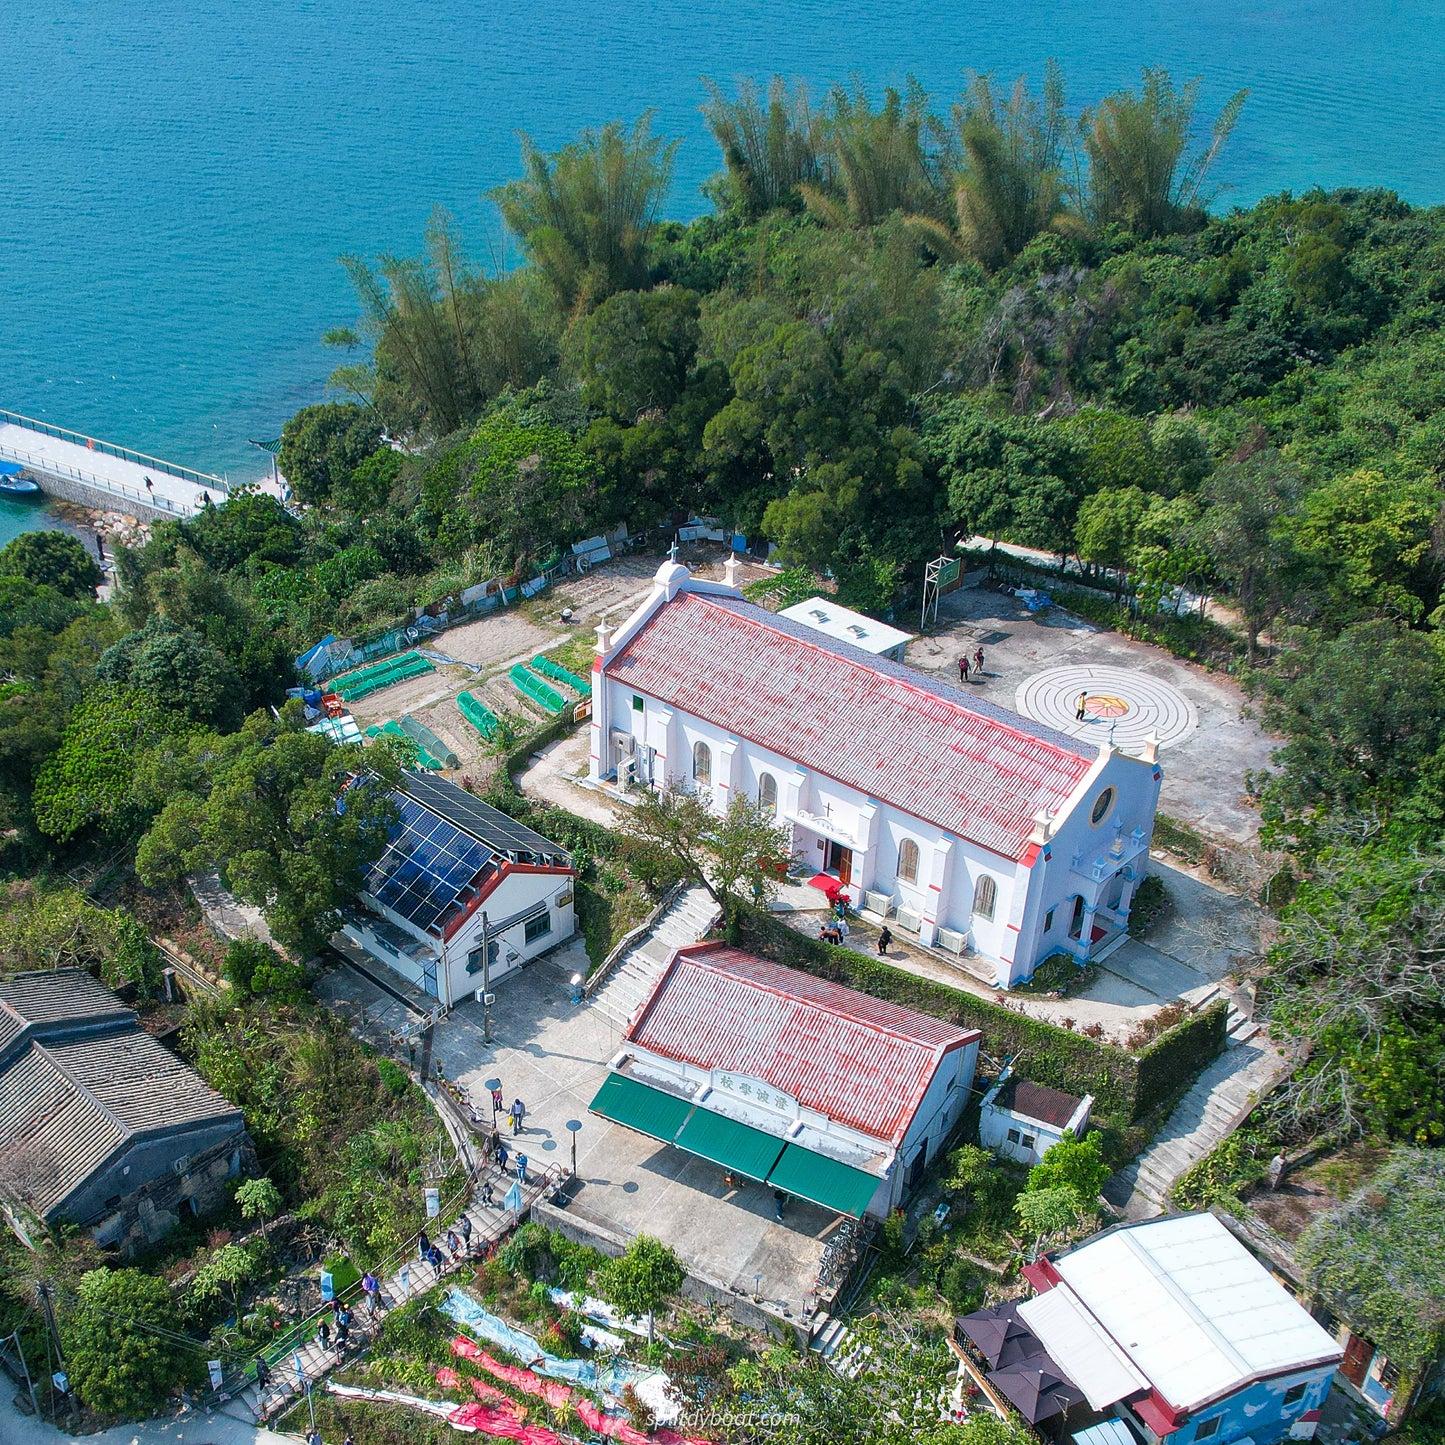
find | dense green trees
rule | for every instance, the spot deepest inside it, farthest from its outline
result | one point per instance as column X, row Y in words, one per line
column 124, row 1349
column 51, row 559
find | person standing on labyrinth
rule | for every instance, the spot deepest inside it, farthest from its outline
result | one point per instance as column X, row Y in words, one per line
column 1079, row 706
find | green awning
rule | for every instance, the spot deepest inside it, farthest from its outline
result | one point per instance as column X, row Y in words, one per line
column 647, row 1110
column 735, row 1146
column 824, row 1181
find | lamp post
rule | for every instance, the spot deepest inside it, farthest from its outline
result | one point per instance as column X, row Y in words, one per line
column 574, row 1126
column 487, row 984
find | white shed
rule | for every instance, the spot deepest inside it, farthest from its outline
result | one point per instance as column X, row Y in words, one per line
column 1022, row 1121
column 832, row 619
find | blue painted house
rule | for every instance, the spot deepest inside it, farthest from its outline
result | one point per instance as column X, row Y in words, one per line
column 1174, row 1328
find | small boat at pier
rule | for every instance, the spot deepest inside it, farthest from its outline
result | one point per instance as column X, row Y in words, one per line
column 14, row 482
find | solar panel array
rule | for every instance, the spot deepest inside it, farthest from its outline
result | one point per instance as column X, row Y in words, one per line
column 427, row 865
column 480, row 819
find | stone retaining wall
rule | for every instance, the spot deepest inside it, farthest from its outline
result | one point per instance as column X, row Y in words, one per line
column 68, row 489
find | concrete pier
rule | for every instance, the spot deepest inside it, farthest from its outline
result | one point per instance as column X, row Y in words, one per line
column 95, row 473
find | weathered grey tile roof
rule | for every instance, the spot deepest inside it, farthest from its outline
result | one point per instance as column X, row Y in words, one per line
column 69, row 1100
column 56, row 996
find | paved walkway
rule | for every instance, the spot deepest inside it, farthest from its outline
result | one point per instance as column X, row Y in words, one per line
column 119, row 476
column 490, row 1224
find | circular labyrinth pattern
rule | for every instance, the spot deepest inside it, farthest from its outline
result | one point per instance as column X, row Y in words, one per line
column 1118, row 703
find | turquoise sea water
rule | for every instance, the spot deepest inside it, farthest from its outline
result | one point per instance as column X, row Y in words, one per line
column 177, row 178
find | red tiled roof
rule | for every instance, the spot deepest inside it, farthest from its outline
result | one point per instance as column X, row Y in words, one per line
column 1037, row 1101
column 860, row 1060
column 963, row 763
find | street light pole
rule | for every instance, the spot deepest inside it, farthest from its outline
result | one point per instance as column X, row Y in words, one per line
column 573, row 1127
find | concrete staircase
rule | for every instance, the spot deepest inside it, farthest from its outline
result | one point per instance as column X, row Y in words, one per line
column 409, row 1277
column 839, row 1348
column 690, row 916
column 1219, row 1101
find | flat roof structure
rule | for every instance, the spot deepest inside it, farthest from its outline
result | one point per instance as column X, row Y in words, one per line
column 832, row 619
column 918, row 743
column 1176, row 1306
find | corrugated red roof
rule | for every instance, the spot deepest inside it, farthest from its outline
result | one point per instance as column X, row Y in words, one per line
column 860, row 1060
column 973, row 768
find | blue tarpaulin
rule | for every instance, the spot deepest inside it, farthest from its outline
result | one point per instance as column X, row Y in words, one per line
column 486, row 1326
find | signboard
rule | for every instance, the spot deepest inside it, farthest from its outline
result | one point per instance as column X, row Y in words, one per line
column 328, row 1286
column 433, row 1203
column 754, row 1091
column 213, row 1367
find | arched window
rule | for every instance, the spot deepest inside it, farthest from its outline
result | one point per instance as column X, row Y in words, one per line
column 768, row 794
column 985, row 895
column 701, row 763
column 908, row 861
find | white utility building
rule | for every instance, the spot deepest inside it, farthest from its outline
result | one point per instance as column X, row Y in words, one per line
column 1178, row 1329
column 1022, row 1120
column 460, row 881
column 956, row 819
column 832, row 619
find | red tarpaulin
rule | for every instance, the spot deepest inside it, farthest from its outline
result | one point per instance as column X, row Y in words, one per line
column 554, row 1394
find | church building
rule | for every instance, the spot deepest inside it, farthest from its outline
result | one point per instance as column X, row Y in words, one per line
column 959, row 820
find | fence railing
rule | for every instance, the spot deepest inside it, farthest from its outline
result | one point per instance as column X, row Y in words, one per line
column 118, row 489
column 60, row 433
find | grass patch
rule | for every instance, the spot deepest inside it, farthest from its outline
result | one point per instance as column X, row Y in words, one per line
column 1179, row 839
column 576, row 655
column 1059, row 975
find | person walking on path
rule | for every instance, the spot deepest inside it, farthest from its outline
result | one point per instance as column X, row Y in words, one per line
column 978, row 664
column 314, row 1438
column 466, row 1228
column 502, row 1157
column 323, row 1333
column 434, row 1258
column 263, row 1375
column 521, row 1168
column 343, row 1331
column 372, row 1287
column 488, row 1198
column 963, row 668
column 885, row 940
column 454, row 1244
column 519, row 1112
column 1079, row 706
column 423, row 1245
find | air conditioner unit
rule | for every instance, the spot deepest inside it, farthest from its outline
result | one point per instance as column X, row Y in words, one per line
column 627, row 773
column 624, row 743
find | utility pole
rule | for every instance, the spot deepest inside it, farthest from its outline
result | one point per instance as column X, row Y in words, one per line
column 486, row 980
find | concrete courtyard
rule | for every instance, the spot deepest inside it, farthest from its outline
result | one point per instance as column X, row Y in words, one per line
column 552, row 1054
column 1203, row 769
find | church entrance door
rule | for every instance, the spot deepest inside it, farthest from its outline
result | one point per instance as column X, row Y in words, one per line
column 840, row 861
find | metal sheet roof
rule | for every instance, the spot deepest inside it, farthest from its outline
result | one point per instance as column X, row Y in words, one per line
column 1084, row 1351
column 959, row 761
column 860, row 1060
column 822, row 614
column 1197, row 1315
column 731, row 1144
column 824, row 1181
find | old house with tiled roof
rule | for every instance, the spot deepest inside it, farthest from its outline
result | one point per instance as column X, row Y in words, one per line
column 775, row 1076
column 100, row 1125
column 963, row 822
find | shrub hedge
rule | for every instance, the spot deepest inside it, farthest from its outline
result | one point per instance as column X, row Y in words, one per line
column 1122, row 1085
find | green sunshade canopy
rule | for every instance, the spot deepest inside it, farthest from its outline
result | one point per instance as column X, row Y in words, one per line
column 639, row 1107
column 824, row 1181
column 735, row 1146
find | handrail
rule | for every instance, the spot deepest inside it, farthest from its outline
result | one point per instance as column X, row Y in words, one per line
column 64, row 434
column 631, row 936
column 63, row 469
